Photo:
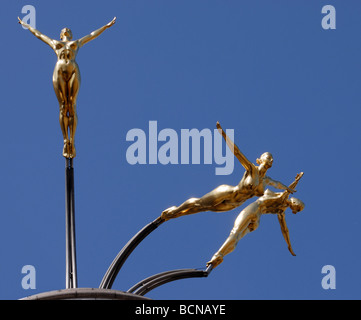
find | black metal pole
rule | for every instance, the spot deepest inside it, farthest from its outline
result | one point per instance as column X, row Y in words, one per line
column 71, row 272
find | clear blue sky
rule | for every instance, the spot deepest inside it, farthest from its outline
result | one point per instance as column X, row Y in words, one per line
column 266, row 69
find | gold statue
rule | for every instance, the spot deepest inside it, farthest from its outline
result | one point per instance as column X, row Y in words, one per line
column 225, row 197
column 249, row 218
column 66, row 79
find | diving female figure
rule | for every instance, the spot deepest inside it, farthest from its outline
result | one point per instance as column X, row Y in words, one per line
column 249, row 218
column 225, row 197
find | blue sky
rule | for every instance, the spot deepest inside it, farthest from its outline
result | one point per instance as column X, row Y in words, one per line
column 266, row 69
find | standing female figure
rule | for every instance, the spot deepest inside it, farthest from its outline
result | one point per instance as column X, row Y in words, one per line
column 66, row 79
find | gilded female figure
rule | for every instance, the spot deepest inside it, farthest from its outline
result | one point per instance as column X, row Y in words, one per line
column 66, row 78
column 249, row 218
column 225, row 197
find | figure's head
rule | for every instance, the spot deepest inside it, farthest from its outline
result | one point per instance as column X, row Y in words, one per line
column 66, row 33
column 296, row 205
column 266, row 159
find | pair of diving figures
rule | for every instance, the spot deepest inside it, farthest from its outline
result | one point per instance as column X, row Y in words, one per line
column 225, row 198
column 66, row 83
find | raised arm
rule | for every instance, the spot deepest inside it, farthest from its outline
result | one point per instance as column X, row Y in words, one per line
column 248, row 165
column 95, row 33
column 38, row 34
column 284, row 229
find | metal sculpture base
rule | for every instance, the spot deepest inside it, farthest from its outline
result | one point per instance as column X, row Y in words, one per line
column 85, row 294
column 104, row 292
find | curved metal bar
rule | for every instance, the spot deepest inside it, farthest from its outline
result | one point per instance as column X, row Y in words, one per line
column 122, row 256
column 172, row 276
column 146, row 280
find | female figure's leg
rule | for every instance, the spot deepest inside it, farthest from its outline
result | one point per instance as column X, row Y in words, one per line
column 247, row 221
column 73, row 89
column 212, row 201
column 60, row 88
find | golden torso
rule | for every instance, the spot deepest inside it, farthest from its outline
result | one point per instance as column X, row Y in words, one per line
column 66, row 65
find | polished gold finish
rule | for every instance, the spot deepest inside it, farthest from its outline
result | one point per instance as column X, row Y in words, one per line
column 66, row 79
column 249, row 218
column 225, row 197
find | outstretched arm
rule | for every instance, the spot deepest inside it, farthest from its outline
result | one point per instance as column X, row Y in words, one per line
column 284, row 229
column 38, row 34
column 292, row 186
column 95, row 33
column 294, row 183
column 238, row 154
column 277, row 184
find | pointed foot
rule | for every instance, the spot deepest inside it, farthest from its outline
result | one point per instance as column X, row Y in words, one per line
column 167, row 214
column 66, row 149
column 216, row 260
